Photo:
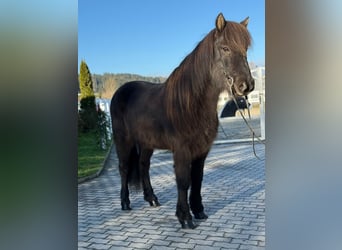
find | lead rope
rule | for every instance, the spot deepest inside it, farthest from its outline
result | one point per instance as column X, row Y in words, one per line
column 251, row 129
column 245, row 120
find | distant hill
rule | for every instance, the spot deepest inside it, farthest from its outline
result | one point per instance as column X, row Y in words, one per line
column 106, row 84
column 100, row 81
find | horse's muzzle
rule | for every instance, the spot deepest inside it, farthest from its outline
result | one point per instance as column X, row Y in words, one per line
column 244, row 88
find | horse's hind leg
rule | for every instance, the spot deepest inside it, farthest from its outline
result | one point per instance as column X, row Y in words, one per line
column 196, row 205
column 144, row 164
column 124, row 152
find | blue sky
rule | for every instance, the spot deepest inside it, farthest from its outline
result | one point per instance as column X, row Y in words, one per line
column 152, row 37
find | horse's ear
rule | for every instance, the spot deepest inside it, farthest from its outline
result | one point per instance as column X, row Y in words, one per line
column 220, row 22
column 245, row 21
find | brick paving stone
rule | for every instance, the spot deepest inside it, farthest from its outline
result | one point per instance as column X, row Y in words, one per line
column 141, row 240
column 260, row 238
column 115, row 232
column 83, row 238
column 182, row 245
column 119, row 243
column 226, row 245
column 80, row 233
column 160, row 242
column 133, row 230
column 156, row 237
column 233, row 192
column 177, row 239
column 262, row 243
column 239, row 236
column 97, row 240
column 196, row 236
column 98, row 235
column 245, row 242
column 96, row 230
column 162, row 248
column 173, row 234
column 242, row 227
column 201, row 247
column 117, row 237
column 246, row 247
column 218, row 239
column 138, row 245
column 201, row 242
column 83, row 244
column 254, row 232
column 213, row 233
column 99, row 246
column 118, row 248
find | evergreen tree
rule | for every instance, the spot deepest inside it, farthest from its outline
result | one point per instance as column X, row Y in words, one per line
column 88, row 115
column 86, row 83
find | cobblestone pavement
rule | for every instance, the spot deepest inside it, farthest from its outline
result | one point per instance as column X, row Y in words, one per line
column 233, row 194
column 235, row 128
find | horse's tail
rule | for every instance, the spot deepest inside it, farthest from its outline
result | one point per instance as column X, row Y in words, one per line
column 134, row 178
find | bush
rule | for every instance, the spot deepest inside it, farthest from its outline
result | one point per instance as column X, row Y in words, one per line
column 95, row 121
column 102, row 129
column 88, row 114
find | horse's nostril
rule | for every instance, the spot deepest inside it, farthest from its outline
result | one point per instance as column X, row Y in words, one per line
column 243, row 87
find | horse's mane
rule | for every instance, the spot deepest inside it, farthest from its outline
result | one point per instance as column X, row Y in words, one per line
column 188, row 83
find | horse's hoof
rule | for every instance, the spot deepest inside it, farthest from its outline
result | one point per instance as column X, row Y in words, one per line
column 125, row 207
column 200, row 216
column 188, row 224
column 154, row 203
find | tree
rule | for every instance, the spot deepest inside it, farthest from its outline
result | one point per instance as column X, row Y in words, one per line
column 85, row 81
column 88, row 114
column 109, row 87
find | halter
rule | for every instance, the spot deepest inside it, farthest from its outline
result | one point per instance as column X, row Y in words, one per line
column 230, row 84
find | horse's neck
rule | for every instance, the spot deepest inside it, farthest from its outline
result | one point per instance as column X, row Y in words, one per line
column 203, row 105
column 210, row 99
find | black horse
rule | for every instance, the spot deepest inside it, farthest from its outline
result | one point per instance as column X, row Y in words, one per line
column 180, row 115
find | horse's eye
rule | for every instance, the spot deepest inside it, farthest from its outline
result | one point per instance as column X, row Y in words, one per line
column 225, row 49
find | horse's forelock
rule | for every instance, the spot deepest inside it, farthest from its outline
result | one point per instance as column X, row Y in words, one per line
column 237, row 37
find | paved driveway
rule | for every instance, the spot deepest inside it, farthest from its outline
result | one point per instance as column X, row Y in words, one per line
column 233, row 194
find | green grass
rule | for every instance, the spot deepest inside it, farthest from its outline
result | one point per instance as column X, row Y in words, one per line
column 90, row 155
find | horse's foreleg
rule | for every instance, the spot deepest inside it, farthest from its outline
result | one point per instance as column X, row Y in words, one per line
column 183, row 175
column 144, row 164
column 196, row 205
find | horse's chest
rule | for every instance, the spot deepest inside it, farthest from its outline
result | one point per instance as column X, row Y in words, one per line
column 202, row 139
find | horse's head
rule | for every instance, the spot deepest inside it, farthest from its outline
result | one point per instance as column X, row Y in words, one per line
column 230, row 68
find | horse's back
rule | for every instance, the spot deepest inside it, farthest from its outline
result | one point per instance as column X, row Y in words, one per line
column 135, row 98
column 122, row 95
column 127, row 94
